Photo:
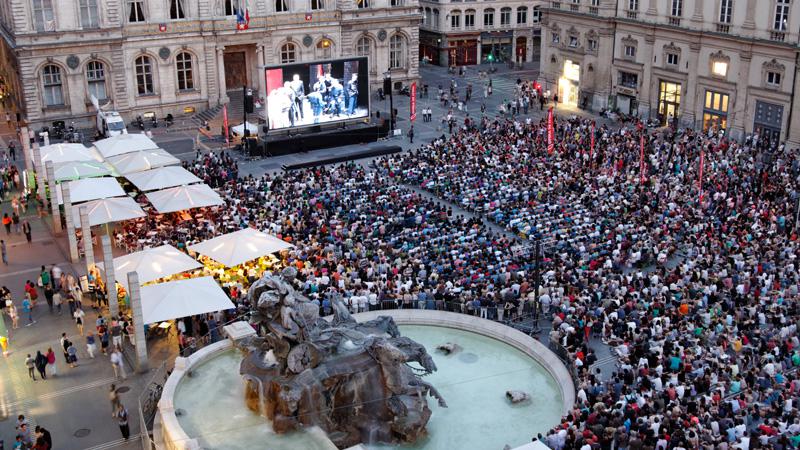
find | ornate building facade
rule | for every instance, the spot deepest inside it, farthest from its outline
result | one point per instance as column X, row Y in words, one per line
column 457, row 33
column 710, row 64
column 176, row 56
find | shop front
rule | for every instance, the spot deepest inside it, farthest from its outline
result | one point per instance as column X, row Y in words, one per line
column 569, row 83
column 715, row 111
column 429, row 44
column 768, row 121
column 498, row 44
column 462, row 50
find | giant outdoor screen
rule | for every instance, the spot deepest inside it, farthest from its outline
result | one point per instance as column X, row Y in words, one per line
column 307, row 94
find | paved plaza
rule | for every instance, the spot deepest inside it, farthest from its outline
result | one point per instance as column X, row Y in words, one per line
column 74, row 405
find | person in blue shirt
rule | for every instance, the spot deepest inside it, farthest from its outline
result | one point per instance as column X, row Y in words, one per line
column 27, row 308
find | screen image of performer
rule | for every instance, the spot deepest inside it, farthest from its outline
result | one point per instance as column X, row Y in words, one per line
column 352, row 94
column 299, row 92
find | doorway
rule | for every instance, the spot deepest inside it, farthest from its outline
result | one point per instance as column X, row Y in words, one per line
column 569, row 83
column 235, row 70
column 669, row 101
column 522, row 49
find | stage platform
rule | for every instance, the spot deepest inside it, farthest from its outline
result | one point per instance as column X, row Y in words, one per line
column 313, row 138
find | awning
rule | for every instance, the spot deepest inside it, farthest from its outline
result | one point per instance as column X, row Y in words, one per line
column 152, row 264
column 142, row 160
column 92, row 189
column 182, row 298
column 240, row 246
column 108, row 210
column 124, row 143
column 184, row 197
column 61, row 153
column 75, row 170
column 161, row 178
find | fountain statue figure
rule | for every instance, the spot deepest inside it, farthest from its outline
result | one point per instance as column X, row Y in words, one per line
column 359, row 382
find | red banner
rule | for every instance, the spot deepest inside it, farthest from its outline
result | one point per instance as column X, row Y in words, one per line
column 551, row 133
column 591, row 144
column 225, row 121
column 641, row 158
column 700, row 177
column 413, row 101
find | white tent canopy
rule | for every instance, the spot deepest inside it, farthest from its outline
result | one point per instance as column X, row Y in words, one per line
column 240, row 246
column 152, row 264
column 163, row 177
column 142, row 160
column 239, row 129
column 184, row 197
column 124, row 143
column 92, row 189
column 108, row 210
column 75, row 170
column 61, row 153
column 182, row 298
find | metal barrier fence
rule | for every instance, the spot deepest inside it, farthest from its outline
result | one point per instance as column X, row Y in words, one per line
column 148, row 405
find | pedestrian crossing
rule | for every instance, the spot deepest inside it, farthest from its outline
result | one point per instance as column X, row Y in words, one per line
column 116, row 443
column 55, row 394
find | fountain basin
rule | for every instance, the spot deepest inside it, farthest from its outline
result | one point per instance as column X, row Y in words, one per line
column 494, row 358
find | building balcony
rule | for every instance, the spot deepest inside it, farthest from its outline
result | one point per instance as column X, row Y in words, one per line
column 777, row 36
column 674, row 21
column 632, row 14
column 723, row 28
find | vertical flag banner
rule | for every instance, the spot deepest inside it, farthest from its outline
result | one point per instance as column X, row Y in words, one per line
column 413, row 101
column 641, row 157
column 225, row 122
column 551, row 134
column 591, row 144
column 700, row 177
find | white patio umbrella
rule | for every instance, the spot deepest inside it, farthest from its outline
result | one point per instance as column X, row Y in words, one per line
column 184, row 197
column 181, row 298
column 239, row 129
column 92, row 189
column 107, row 210
column 240, row 246
column 124, row 143
column 75, row 170
column 152, row 264
column 161, row 178
column 61, row 153
column 142, row 160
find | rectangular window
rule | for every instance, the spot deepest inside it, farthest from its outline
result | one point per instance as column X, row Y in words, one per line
column 455, row 21
column 43, row 18
column 677, row 8
column 630, row 51
column 488, row 18
column 136, row 11
column 595, row 3
column 396, row 2
column 317, row 5
column 592, row 43
column 89, row 13
column 774, row 79
column 362, row 4
column 719, row 68
column 232, row 6
column 573, row 41
column 556, row 38
column 781, row 15
column 725, row 11
column 633, row 5
column 630, row 80
column 672, row 59
column 536, row 15
column 522, row 15
column 469, row 20
column 176, row 10
column 281, row 6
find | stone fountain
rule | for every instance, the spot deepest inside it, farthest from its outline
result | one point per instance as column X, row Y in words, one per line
column 353, row 380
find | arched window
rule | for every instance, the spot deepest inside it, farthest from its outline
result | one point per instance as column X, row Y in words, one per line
column 364, row 46
column 183, row 64
column 505, row 16
column 435, row 20
column 288, row 53
column 53, row 89
column 96, row 79
column 536, row 14
column 522, row 15
column 469, row 19
column 455, row 19
column 144, row 76
column 397, row 52
column 488, row 17
column 324, row 48
column 427, row 18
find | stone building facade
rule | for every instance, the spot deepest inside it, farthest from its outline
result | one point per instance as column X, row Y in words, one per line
column 458, row 33
column 709, row 64
column 179, row 56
